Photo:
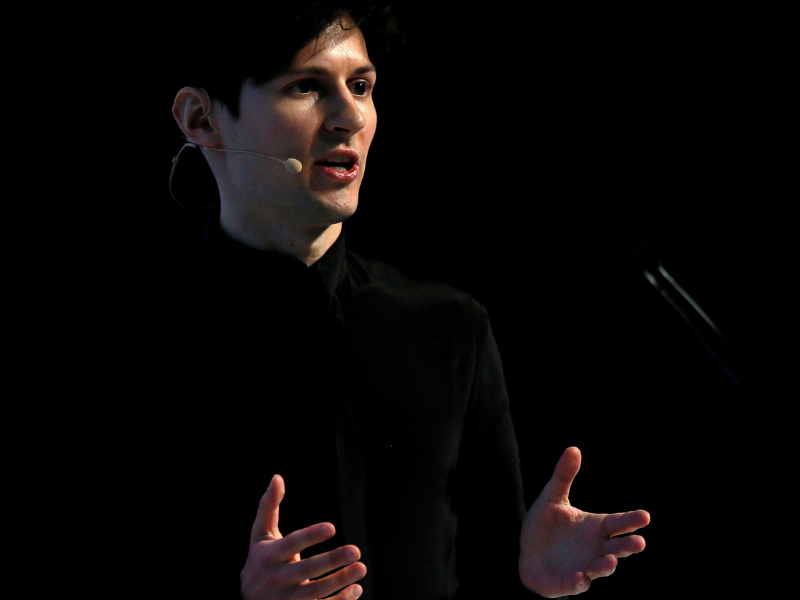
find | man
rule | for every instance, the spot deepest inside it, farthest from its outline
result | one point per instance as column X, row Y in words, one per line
column 379, row 398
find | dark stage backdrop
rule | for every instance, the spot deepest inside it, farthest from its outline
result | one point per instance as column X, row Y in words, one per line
column 531, row 157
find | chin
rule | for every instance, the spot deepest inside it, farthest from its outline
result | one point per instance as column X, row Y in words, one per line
column 341, row 208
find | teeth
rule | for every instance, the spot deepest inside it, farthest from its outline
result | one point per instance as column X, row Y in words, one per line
column 334, row 161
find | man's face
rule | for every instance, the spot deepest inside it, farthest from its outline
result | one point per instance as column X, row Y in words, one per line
column 320, row 112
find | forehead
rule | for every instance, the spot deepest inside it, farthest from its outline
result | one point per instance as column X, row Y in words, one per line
column 340, row 43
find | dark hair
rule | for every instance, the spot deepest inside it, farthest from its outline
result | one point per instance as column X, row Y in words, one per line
column 260, row 43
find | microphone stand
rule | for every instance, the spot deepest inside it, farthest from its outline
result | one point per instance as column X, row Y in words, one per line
column 690, row 311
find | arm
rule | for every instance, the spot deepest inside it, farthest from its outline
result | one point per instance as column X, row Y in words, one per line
column 489, row 498
column 562, row 549
column 274, row 569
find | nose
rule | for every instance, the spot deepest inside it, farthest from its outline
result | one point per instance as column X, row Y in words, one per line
column 344, row 114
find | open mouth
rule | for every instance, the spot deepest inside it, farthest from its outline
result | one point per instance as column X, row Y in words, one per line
column 338, row 164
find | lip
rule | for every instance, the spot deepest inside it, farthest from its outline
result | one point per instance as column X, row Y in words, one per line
column 340, row 176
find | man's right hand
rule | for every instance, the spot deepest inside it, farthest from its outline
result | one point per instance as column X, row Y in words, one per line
column 274, row 569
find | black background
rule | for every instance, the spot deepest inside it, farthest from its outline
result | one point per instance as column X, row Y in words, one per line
column 520, row 153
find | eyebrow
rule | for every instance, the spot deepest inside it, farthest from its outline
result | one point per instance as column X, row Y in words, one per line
column 363, row 70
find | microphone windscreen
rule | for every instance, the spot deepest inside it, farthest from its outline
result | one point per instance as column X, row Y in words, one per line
column 293, row 165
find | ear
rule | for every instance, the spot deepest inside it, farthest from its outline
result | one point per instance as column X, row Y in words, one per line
column 193, row 111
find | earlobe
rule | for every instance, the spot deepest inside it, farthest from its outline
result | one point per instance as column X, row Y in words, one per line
column 193, row 111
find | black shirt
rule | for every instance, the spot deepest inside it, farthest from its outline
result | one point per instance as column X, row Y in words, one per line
column 378, row 397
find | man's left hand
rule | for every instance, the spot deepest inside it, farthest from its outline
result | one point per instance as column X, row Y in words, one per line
column 562, row 549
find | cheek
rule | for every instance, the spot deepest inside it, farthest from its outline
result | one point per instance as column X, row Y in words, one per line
column 295, row 128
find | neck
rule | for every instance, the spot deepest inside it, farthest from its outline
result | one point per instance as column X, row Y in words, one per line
column 307, row 244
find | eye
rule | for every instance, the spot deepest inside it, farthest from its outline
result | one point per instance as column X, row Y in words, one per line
column 306, row 86
column 360, row 87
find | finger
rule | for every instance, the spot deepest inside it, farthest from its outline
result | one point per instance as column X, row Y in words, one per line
column 266, row 521
column 557, row 489
column 579, row 584
column 284, row 549
column 624, row 546
column 354, row 591
column 602, row 566
column 316, row 566
column 321, row 588
column 620, row 523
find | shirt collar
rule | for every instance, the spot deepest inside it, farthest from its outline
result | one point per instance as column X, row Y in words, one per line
column 330, row 268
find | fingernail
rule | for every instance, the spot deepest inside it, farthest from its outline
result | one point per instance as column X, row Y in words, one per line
column 357, row 591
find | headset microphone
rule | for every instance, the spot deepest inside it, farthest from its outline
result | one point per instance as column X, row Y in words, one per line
column 293, row 165
column 290, row 164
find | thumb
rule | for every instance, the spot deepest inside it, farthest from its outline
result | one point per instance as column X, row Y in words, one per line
column 556, row 490
column 266, row 521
